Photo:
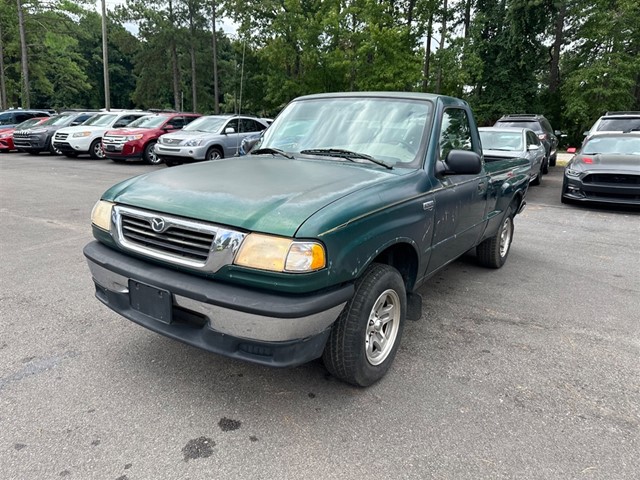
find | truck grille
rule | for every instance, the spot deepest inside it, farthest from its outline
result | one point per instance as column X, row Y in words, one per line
column 175, row 240
column 61, row 136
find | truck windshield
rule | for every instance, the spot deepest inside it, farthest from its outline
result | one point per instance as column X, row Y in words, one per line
column 388, row 129
column 210, row 124
column 152, row 121
column 612, row 145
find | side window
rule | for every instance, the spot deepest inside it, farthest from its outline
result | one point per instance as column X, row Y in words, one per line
column 249, row 125
column 176, row 122
column 455, row 132
column 232, row 124
column 546, row 125
column 532, row 139
column 21, row 117
column 188, row 120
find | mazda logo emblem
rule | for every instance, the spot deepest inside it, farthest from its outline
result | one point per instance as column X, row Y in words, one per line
column 157, row 224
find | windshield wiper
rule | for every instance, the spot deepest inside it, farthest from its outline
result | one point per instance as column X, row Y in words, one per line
column 348, row 154
column 272, row 151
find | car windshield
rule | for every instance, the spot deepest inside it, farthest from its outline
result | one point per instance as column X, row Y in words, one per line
column 59, row 120
column 27, row 123
column 391, row 130
column 535, row 126
column 619, row 124
column 506, row 141
column 206, row 124
column 152, row 121
column 614, row 145
column 101, row 120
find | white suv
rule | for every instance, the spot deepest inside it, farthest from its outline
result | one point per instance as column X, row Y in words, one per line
column 87, row 138
column 616, row 122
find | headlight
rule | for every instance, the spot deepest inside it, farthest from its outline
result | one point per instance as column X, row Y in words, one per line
column 101, row 215
column 570, row 172
column 81, row 134
column 133, row 137
column 192, row 143
column 280, row 254
column 6, row 135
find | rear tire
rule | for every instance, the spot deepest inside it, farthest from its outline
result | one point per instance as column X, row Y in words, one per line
column 552, row 160
column 493, row 251
column 365, row 338
column 545, row 166
column 214, row 153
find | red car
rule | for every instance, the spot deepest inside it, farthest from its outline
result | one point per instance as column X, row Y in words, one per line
column 6, row 134
column 138, row 139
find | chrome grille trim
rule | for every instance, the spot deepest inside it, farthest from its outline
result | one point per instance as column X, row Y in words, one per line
column 61, row 136
column 114, row 139
column 184, row 242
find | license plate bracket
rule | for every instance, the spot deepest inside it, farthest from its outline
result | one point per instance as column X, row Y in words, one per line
column 152, row 301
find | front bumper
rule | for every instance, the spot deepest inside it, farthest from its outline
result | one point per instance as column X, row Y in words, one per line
column 576, row 190
column 73, row 145
column 267, row 328
column 184, row 154
column 32, row 143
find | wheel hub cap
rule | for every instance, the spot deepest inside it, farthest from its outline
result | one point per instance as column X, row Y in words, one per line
column 382, row 328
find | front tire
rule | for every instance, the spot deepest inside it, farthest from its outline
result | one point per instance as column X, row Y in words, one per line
column 545, row 166
column 95, row 150
column 150, row 155
column 493, row 251
column 53, row 150
column 538, row 179
column 365, row 338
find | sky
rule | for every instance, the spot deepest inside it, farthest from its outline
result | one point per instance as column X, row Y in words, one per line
column 224, row 24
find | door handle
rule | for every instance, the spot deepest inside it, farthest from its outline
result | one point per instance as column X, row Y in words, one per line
column 428, row 205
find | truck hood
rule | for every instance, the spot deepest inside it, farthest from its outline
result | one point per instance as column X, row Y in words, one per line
column 264, row 194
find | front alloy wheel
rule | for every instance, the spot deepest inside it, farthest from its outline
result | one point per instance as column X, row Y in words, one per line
column 365, row 338
column 95, row 150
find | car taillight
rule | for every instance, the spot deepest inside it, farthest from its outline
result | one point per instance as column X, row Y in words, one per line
column 542, row 136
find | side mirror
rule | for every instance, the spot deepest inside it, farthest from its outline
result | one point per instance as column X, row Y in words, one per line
column 229, row 130
column 73, row 124
column 460, row 162
column 585, row 133
column 533, row 147
column 571, row 150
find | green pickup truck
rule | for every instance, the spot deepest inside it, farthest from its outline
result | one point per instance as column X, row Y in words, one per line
column 315, row 243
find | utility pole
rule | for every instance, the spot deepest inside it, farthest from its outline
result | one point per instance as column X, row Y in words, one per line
column 4, row 102
column 216, row 103
column 105, row 57
column 26, row 100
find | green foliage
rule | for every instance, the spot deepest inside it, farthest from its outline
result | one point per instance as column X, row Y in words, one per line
column 286, row 48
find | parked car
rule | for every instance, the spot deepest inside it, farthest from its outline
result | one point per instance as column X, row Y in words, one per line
column 315, row 244
column 500, row 143
column 39, row 138
column 6, row 134
column 606, row 169
column 138, row 139
column 13, row 117
column 616, row 122
column 207, row 138
column 87, row 138
column 542, row 127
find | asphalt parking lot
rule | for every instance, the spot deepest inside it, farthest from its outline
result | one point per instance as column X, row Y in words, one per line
column 530, row 371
